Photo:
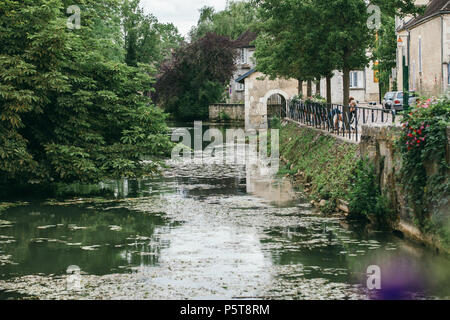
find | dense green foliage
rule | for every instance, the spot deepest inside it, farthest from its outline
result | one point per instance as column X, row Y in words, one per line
column 70, row 108
column 425, row 169
column 146, row 40
column 385, row 52
column 309, row 39
column 365, row 198
column 196, row 77
column 237, row 18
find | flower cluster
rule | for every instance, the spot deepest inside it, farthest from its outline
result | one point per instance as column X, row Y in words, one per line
column 415, row 135
column 426, row 103
column 415, row 129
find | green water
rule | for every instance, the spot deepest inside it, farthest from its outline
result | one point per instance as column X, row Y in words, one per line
column 204, row 231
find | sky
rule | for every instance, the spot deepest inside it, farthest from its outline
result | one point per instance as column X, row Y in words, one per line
column 182, row 13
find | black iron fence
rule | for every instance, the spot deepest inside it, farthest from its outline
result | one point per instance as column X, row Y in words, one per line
column 334, row 118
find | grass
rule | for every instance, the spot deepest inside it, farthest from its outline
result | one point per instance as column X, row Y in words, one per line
column 325, row 162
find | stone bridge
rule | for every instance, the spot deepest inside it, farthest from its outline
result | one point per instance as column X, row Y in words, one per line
column 258, row 90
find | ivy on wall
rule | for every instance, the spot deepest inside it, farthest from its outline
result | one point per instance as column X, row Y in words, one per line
column 425, row 169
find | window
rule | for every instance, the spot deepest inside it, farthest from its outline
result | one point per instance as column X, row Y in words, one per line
column 420, row 55
column 243, row 56
column 240, row 86
column 356, row 79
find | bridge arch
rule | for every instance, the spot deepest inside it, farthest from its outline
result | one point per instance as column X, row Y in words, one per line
column 274, row 92
column 258, row 90
column 275, row 101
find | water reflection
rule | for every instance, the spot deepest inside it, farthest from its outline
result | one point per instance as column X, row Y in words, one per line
column 206, row 230
column 43, row 239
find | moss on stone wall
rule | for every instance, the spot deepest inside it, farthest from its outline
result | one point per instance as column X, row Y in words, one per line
column 328, row 169
column 320, row 161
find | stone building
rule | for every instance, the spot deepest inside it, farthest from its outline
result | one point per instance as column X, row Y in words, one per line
column 363, row 83
column 245, row 63
column 425, row 43
column 364, row 86
column 260, row 90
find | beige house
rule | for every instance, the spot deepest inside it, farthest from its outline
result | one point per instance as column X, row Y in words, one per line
column 245, row 63
column 424, row 41
column 364, row 86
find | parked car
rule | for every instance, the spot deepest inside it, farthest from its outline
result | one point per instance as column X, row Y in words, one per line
column 394, row 100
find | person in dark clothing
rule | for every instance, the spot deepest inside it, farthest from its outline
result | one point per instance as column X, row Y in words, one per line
column 352, row 115
column 335, row 118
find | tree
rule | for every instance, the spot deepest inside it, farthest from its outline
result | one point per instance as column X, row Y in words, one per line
column 349, row 38
column 140, row 35
column 290, row 42
column 237, row 18
column 384, row 52
column 308, row 39
column 169, row 40
column 196, row 77
column 69, row 110
column 145, row 39
column 385, row 46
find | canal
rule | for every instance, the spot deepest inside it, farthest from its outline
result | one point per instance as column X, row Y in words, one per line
column 204, row 231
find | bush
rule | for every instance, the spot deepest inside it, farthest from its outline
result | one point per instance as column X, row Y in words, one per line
column 223, row 116
column 365, row 198
column 275, row 123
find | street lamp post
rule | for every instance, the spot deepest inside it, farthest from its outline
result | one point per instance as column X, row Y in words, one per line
column 405, row 76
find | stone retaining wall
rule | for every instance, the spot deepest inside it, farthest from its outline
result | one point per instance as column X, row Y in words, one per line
column 378, row 144
column 236, row 112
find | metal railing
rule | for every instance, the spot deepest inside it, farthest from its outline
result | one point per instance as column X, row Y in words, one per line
column 334, row 118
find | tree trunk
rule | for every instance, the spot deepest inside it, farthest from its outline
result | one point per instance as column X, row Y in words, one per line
column 300, row 88
column 329, row 89
column 309, row 90
column 318, row 87
column 346, row 92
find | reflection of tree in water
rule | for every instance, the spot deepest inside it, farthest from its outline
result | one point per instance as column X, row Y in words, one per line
column 50, row 238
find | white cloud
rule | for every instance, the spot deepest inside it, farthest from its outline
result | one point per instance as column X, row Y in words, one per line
column 182, row 13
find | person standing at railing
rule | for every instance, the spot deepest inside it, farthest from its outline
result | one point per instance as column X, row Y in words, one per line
column 335, row 117
column 352, row 115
